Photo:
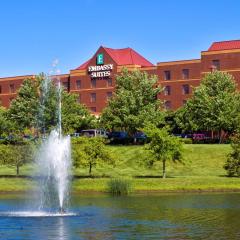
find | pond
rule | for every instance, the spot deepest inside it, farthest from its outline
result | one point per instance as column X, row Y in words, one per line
column 159, row 216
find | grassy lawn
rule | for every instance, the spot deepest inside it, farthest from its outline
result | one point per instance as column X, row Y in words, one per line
column 202, row 169
column 199, row 160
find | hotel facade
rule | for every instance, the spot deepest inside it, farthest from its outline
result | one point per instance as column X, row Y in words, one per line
column 94, row 81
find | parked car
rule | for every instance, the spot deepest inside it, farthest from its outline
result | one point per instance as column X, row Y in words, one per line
column 139, row 138
column 94, row 133
column 198, row 136
column 119, row 137
column 75, row 135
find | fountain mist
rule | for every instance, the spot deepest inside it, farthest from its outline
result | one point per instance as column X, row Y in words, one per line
column 54, row 160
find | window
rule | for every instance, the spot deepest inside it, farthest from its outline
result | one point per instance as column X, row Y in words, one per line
column 167, row 75
column 215, row 65
column 185, row 89
column 109, row 82
column 109, row 95
column 167, row 104
column 0, row 89
column 93, row 97
column 78, row 84
column 185, row 73
column 93, row 83
column 167, row 90
column 12, row 88
column 65, row 85
column 93, row 109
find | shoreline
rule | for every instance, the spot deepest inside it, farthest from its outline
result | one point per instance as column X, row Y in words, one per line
column 136, row 192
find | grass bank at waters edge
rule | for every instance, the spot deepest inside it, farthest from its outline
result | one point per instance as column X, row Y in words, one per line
column 178, row 184
column 202, row 170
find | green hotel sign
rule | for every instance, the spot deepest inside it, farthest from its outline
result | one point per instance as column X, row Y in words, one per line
column 100, row 59
column 101, row 70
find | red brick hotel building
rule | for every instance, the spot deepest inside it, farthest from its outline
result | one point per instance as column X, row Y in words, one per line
column 94, row 81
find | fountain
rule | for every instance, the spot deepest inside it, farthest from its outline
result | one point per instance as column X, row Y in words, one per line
column 54, row 165
column 54, row 160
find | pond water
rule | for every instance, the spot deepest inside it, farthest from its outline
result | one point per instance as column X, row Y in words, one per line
column 164, row 216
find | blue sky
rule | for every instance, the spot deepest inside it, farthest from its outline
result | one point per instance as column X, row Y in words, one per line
column 34, row 33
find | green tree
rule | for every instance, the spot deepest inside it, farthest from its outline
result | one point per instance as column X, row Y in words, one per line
column 163, row 146
column 213, row 107
column 134, row 102
column 36, row 107
column 6, row 125
column 90, row 152
column 16, row 155
column 232, row 165
column 23, row 110
column 75, row 116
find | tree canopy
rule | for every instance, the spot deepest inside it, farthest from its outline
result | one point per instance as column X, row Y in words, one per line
column 214, row 105
column 36, row 106
column 24, row 109
column 232, row 165
column 134, row 103
column 17, row 155
column 163, row 146
column 6, row 125
column 90, row 152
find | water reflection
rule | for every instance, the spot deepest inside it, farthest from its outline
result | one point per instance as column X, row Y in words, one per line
column 175, row 216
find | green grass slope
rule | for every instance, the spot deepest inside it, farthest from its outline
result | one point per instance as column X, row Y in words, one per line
column 202, row 169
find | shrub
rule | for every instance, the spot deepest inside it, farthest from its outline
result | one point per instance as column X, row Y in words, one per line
column 118, row 186
column 232, row 165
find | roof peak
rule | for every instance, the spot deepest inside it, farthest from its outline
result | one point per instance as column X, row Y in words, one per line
column 122, row 56
column 116, row 48
column 225, row 45
column 235, row 40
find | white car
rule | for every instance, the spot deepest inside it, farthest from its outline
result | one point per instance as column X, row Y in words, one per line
column 94, row 133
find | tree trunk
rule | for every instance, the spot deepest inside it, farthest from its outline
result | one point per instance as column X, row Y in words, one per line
column 220, row 136
column 164, row 169
column 90, row 169
column 17, row 169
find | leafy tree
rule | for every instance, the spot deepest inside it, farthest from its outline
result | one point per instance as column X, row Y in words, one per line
column 16, row 155
column 232, row 165
column 134, row 102
column 214, row 105
column 36, row 107
column 6, row 125
column 163, row 146
column 90, row 152
column 24, row 108
column 75, row 116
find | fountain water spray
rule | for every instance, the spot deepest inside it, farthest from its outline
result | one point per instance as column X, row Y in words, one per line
column 54, row 160
column 54, row 163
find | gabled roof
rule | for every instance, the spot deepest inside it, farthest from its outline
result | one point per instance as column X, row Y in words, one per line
column 84, row 65
column 124, row 56
column 225, row 45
